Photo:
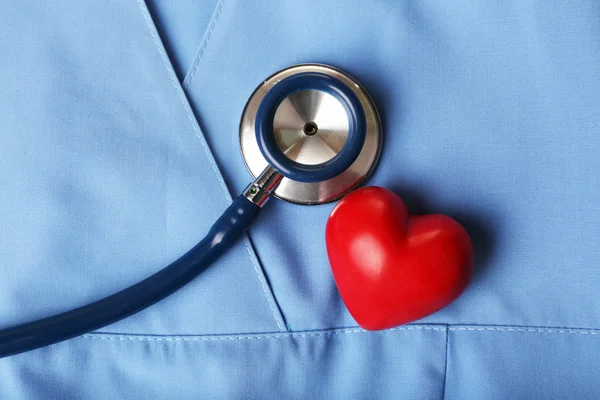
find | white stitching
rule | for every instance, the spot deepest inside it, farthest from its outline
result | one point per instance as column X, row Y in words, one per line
column 182, row 99
column 125, row 337
column 202, row 140
column 190, row 75
column 446, row 363
column 537, row 330
column 263, row 284
column 250, row 336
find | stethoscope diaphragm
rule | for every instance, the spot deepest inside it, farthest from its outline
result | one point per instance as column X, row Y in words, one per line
column 311, row 113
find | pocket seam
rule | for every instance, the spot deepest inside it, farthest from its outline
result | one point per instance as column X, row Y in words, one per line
column 448, row 328
column 258, row 336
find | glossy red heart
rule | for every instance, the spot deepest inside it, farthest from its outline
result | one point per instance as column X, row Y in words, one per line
column 391, row 267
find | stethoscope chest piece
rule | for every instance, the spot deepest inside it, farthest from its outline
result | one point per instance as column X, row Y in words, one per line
column 311, row 117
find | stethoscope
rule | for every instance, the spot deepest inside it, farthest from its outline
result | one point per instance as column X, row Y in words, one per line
column 309, row 134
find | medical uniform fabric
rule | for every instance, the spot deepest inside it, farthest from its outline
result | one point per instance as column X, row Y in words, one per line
column 119, row 148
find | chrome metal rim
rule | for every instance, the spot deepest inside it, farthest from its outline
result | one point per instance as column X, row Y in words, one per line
column 319, row 192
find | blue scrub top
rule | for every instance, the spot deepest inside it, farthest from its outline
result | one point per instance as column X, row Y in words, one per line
column 119, row 148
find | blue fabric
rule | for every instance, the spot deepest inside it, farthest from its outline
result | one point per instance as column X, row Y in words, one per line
column 181, row 25
column 112, row 164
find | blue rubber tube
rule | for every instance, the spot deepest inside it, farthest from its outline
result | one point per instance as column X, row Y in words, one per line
column 266, row 138
column 223, row 234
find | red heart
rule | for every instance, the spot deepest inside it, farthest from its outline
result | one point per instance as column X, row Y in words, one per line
column 390, row 267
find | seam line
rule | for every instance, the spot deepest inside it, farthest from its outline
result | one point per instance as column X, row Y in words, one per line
column 446, row 363
column 188, row 110
column 252, row 336
column 277, row 313
column 536, row 330
column 181, row 95
column 200, row 53
column 269, row 335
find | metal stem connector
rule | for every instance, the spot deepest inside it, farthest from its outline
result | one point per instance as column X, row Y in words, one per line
column 258, row 191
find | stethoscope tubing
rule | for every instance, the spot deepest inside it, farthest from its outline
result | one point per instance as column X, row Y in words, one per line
column 236, row 219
